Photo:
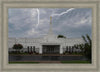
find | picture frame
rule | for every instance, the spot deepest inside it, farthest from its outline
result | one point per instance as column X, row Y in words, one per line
column 6, row 67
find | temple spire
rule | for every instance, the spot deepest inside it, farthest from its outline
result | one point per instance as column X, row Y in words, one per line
column 50, row 20
column 50, row 28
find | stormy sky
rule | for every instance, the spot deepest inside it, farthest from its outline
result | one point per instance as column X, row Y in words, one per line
column 34, row 22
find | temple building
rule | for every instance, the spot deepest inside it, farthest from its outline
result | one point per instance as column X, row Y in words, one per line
column 48, row 44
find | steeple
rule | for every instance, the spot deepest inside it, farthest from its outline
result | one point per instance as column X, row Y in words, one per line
column 50, row 20
column 50, row 27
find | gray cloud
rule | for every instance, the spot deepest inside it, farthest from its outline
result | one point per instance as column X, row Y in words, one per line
column 22, row 22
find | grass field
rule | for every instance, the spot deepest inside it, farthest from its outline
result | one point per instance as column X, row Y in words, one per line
column 76, row 62
column 65, row 62
column 23, row 62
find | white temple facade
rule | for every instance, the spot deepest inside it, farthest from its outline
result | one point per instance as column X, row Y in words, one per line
column 50, row 43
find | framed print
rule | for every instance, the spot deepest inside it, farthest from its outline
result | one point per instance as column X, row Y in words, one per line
column 49, row 35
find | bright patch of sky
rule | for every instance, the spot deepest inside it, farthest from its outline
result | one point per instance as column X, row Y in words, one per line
column 34, row 22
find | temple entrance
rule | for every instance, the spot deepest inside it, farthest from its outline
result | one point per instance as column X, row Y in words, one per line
column 51, row 49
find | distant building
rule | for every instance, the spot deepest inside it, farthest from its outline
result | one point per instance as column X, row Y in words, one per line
column 50, row 43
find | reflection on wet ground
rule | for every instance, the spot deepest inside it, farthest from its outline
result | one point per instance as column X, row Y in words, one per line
column 45, row 58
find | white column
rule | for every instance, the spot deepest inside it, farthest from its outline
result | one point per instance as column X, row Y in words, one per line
column 61, row 50
column 40, row 50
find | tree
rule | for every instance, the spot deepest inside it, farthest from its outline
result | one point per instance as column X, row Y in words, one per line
column 61, row 36
column 17, row 47
column 87, row 46
column 28, row 49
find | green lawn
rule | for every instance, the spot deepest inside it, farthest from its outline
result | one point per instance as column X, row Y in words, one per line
column 69, row 62
column 23, row 62
column 75, row 62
